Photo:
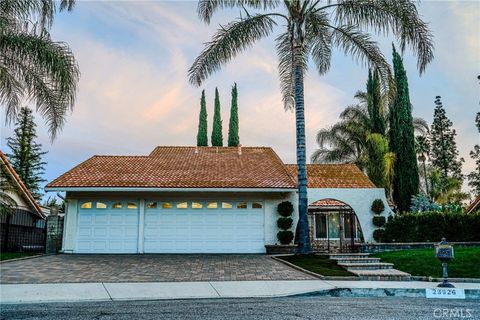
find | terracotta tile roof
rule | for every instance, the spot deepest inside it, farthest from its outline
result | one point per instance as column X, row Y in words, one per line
column 328, row 203
column 21, row 186
column 333, row 176
column 182, row 167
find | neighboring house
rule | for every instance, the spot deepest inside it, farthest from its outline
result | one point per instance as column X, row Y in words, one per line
column 474, row 206
column 205, row 200
column 23, row 227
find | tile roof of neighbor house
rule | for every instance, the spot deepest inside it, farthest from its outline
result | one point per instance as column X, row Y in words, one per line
column 333, row 176
column 473, row 206
column 182, row 167
column 21, row 186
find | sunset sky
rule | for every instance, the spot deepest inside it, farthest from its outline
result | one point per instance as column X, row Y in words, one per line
column 134, row 92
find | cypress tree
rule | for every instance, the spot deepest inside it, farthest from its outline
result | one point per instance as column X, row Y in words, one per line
column 233, row 138
column 402, row 140
column 374, row 100
column 444, row 152
column 217, row 137
column 202, row 135
column 26, row 154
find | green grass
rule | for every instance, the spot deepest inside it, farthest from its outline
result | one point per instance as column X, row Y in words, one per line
column 15, row 255
column 422, row 262
column 318, row 264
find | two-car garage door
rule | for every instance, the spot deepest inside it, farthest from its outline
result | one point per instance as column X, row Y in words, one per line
column 171, row 227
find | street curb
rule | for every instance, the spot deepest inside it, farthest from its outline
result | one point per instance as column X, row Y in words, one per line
column 319, row 276
column 470, row 294
column 431, row 279
column 26, row 258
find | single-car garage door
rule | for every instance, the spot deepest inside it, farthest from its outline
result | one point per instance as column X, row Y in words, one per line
column 204, row 227
column 107, row 227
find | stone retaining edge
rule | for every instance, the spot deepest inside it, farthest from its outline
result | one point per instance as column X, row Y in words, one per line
column 29, row 257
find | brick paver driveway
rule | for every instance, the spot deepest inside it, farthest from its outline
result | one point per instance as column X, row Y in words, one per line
column 146, row 268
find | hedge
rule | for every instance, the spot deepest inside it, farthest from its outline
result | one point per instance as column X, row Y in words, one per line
column 432, row 226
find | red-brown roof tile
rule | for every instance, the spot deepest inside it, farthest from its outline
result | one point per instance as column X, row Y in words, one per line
column 182, row 167
column 333, row 176
column 21, row 186
column 328, row 203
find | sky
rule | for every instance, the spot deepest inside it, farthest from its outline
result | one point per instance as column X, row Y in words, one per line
column 134, row 92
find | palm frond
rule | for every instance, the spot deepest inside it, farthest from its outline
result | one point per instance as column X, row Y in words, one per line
column 420, row 126
column 206, row 8
column 384, row 16
column 361, row 47
column 227, row 43
column 11, row 91
column 319, row 40
column 47, row 71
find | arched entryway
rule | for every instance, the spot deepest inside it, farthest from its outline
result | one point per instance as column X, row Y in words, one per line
column 334, row 226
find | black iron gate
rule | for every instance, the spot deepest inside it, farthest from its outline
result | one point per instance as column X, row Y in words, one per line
column 22, row 231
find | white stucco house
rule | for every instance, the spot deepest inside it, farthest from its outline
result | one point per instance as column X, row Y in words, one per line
column 206, row 200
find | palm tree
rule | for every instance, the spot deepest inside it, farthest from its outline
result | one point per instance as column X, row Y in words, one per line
column 422, row 146
column 32, row 66
column 346, row 140
column 310, row 29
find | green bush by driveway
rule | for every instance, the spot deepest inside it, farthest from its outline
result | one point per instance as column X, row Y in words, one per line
column 422, row 262
column 16, row 255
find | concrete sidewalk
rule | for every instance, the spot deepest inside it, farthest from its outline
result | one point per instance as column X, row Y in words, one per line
column 76, row 292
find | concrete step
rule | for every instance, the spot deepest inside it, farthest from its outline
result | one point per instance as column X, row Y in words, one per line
column 382, row 275
column 337, row 256
column 366, row 266
column 358, row 260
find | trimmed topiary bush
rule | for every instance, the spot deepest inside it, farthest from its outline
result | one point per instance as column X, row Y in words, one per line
column 378, row 206
column 285, row 237
column 379, row 235
column 284, row 223
column 285, row 209
column 379, row 221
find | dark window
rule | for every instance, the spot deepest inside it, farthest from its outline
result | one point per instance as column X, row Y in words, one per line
column 320, row 226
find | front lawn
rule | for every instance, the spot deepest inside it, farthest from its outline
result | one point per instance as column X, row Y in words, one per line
column 15, row 255
column 319, row 264
column 422, row 262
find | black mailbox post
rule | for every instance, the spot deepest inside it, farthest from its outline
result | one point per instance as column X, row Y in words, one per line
column 444, row 253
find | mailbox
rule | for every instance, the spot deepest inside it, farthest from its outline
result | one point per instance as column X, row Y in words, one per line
column 444, row 253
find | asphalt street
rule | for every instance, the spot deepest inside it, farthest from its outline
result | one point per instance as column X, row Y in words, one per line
column 268, row 308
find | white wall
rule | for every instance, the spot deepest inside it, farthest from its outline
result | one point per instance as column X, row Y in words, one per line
column 360, row 199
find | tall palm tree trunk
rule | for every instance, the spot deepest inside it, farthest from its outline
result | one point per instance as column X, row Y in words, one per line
column 425, row 177
column 304, row 246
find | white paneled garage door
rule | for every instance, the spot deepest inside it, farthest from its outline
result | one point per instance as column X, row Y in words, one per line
column 107, row 227
column 204, row 227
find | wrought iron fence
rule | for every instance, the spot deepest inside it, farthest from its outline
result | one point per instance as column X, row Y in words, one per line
column 22, row 231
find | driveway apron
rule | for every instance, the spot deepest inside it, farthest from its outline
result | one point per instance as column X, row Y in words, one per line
column 146, row 268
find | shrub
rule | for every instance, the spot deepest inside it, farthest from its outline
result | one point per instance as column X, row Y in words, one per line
column 379, row 235
column 432, row 226
column 284, row 223
column 379, row 221
column 285, row 237
column 285, row 209
column 378, row 206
